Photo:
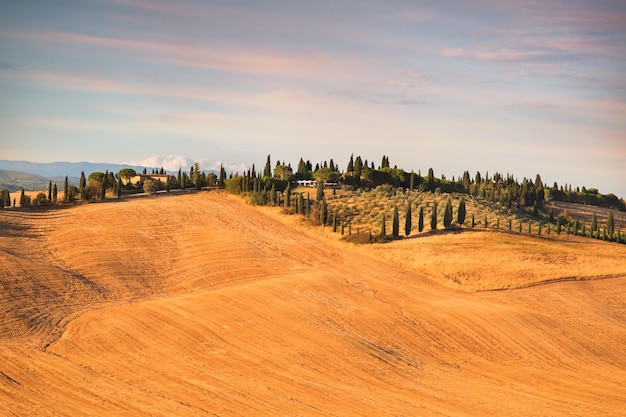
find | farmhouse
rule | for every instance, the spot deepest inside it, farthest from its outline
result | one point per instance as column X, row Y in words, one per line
column 162, row 178
column 306, row 183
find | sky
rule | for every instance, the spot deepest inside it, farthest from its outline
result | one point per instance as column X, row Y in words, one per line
column 513, row 86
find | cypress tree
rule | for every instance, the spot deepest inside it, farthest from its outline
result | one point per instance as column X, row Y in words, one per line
column 66, row 190
column 473, row 221
column 447, row 214
column 549, row 227
column 485, row 221
column 520, row 226
column 273, row 195
column 619, row 236
column 604, row 233
column 433, row 217
column 323, row 212
column 342, row 227
column 120, row 186
column 319, row 196
column 430, row 180
column 54, row 193
column 498, row 223
column 610, row 225
column 82, row 184
column 50, row 191
column 408, row 220
column 351, row 164
column 462, row 212
column 558, row 226
column 420, row 220
column 335, row 223
column 412, row 182
column 575, row 227
column 395, row 229
column 383, row 228
column 510, row 224
column 267, row 171
column 301, row 204
column 288, row 195
column 539, row 228
column 358, row 167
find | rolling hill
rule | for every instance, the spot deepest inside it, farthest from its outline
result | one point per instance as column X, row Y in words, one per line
column 198, row 304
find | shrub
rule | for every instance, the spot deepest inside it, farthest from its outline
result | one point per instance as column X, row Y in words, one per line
column 149, row 187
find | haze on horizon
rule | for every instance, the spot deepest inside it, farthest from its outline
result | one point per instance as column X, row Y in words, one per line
column 519, row 87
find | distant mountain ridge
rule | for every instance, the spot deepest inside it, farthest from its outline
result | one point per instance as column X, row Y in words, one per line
column 61, row 169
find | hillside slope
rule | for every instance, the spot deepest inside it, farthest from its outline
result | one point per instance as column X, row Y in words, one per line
column 201, row 305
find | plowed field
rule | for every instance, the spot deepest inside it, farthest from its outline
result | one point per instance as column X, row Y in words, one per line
column 199, row 304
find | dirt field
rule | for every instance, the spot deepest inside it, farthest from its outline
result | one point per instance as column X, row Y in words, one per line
column 198, row 304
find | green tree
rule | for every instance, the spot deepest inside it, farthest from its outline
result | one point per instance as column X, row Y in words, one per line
column 323, row 212
column 473, row 221
column 195, row 175
column 50, row 191
column 222, row 176
column 126, row 174
column 55, row 192
column 395, row 224
column 5, row 198
column 82, row 184
column 326, row 175
column 430, row 180
column 466, row 181
column 288, row 195
column 301, row 208
column 462, row 212
column 66, row 190
column 283, row 172
column 420, row 220
column 485, row 224
column 350, row 164
column 447, row 214
column 273, row 195
column 433, row 217
column 383, row 227
column 407, row 219
column 358, row 167
column 149, row 187
column 319, row 196
column 558, row 226
column 610, row 225
column 267, row 171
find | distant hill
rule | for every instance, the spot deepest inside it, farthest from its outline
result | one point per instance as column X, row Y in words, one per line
column 61, row 169
column 36, row 176
column 13, row 180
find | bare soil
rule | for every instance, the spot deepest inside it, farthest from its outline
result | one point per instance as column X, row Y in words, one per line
column 198, row 304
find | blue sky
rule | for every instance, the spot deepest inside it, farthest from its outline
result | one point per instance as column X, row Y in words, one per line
column 515, row 86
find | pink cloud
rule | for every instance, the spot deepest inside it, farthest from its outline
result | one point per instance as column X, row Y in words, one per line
column 494, row 54
column 236, row 58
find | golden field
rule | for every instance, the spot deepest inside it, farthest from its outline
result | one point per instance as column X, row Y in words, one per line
column 198, row 304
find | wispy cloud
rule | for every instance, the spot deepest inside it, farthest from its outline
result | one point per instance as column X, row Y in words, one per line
column 223, row 57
